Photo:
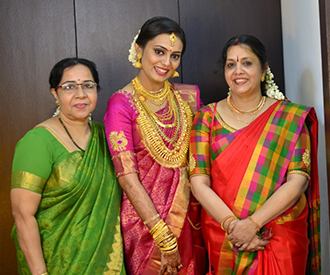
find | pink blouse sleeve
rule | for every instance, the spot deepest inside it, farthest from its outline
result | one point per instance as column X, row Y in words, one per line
column 118, row 122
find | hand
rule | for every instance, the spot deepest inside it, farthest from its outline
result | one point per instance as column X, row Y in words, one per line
column 256, row 244
column 241, row 232
column 170, row 263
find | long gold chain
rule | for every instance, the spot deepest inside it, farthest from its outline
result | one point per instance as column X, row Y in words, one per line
column 153, row 136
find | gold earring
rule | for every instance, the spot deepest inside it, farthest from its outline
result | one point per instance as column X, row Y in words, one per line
column 175, row 74
column 58, row 104
column 262, row 78
column 138, row 64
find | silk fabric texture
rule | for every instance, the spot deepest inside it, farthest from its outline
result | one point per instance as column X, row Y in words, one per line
column 168, row 188
column 248, row 166
column 79, row 213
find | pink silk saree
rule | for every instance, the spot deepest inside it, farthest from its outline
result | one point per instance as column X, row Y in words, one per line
column 168, row 188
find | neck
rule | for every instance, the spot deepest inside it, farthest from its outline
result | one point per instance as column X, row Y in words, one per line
column 148, row 84
column 246, row 102
column 76, row 127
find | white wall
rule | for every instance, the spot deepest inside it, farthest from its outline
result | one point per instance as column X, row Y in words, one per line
column 303, row 84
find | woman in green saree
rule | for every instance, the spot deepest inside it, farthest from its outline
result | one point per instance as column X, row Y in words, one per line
column 65, row 196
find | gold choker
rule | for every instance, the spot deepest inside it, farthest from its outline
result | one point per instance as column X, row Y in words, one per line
column 246, row 113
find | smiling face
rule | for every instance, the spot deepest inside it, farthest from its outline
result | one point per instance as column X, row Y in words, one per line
column 159, row 60
column 243, row 70
column 78, row 105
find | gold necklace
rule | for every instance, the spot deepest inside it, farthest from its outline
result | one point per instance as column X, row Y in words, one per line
column 245, row 122
column 161, row 95
column 249, row 112
column 153, row 136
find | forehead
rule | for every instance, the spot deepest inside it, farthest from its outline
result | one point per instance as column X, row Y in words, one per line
column 77, row 71
column 164, row 40
column 240, row 51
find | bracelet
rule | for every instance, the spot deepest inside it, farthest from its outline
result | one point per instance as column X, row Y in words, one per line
column 229, row 223
column 149, row 220
column 255, row 223
column 46, row 273
column 165, row 240
column 225, row 219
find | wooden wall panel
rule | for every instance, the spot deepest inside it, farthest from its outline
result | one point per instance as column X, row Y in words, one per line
column 33, row 36
column 210, row 24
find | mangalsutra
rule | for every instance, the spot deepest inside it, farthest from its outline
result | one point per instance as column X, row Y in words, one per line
column 249, row 112
column 67, row 131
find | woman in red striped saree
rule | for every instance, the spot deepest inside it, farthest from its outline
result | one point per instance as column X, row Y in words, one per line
column 253, row 167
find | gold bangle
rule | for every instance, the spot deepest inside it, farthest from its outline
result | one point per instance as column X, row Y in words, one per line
column 256, row 224
column 225, row 219
column 151, row 219
column 229, row 222
column 46, row 273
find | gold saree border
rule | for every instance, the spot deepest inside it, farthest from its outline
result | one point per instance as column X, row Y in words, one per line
column 26, row 180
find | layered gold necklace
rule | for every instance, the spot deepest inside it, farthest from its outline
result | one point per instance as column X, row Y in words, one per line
column 169, row 150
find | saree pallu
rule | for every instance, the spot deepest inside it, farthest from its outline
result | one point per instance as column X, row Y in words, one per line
column 79, row 223
column 246, row 173
column 168, row 189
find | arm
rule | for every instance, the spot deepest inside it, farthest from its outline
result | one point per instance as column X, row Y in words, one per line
column 211, row 202
column 283, row 198
column 24, row 207
column 243, row 231
column 145, row 208
column 119, row 122
column 217, row 209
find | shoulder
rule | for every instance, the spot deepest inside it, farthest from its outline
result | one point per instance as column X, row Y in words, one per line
column 182, row 86
column 294, row 107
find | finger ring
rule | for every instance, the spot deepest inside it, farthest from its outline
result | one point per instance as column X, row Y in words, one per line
column 238, row 245
column 179, row 266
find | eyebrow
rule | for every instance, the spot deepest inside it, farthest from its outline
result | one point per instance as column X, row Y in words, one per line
column 167, row 49
column 70, row 81
column 234, row 59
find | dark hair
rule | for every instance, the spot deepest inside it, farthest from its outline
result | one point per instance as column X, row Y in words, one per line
column 57, row 71
column 159, row 25
column 255, row 45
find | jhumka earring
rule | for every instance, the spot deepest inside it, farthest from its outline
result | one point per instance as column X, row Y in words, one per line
column 57, row 112
column 175, row 74
column 138, row 64
column 262, row 78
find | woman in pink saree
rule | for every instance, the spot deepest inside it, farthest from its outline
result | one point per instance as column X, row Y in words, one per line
column 148, row 124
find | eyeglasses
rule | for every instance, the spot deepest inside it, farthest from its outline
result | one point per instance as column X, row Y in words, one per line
column 72, row 87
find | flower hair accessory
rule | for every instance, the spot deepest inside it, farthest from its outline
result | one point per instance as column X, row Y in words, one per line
column 272, row 90
column 132, row 57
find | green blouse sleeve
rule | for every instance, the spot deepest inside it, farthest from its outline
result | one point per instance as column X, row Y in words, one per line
column 301, row 162
column 33, row 161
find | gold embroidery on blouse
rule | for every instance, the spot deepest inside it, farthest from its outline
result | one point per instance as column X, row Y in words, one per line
column 192, row 162
column 306, row 158
column 118, row 141
column 303, row 173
